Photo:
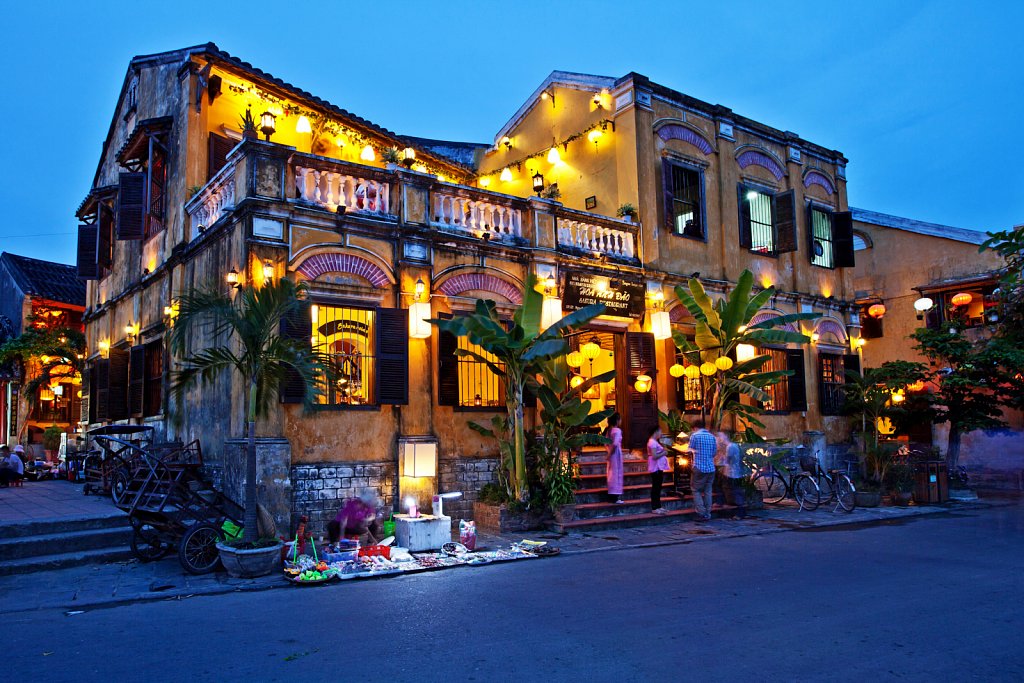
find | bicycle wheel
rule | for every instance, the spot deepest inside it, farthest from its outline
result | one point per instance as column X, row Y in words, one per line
column 197, row 551
column 806, row 492
column 826, row 488
column 846, row 493
column 771, row 486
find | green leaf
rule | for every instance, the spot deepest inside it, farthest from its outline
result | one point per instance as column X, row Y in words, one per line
column 573, row 320
column 530, row 311
column 706, row 305
column 547, row 348
column 748, row 389
column 761, row 336
column 705, row 338
column 739, row 297
column 757, row 302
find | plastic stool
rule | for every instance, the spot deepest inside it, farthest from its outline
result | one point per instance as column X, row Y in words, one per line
column 18, row 482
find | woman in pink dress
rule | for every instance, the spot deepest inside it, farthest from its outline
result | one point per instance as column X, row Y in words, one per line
column 614, row 467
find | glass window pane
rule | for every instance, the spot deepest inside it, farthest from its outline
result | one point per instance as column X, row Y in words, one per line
column 346, row 337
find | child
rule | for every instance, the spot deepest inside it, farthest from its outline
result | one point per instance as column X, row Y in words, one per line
column 657, row 465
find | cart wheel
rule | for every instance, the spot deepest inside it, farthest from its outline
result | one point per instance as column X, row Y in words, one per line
column 198, row 548
column 146, row 543
column 119, row 484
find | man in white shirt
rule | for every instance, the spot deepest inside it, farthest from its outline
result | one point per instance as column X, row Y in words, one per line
column 11, row 467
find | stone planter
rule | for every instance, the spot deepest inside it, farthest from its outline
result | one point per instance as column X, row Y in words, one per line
column 498, row 518
column 248, row 564
column 869, row 499
column 565, row 513
column 755, row 501
column 901, row 498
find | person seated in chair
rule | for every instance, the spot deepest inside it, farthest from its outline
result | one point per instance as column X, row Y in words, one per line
column 11, row 467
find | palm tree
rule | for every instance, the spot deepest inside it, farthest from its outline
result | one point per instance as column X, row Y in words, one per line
column 244, row 332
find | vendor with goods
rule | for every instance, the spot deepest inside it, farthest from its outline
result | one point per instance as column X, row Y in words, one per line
column 357, row 519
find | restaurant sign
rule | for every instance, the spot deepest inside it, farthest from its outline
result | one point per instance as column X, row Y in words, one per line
column 621, row 297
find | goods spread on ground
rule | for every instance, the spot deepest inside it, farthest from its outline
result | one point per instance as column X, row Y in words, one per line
column 373, row 561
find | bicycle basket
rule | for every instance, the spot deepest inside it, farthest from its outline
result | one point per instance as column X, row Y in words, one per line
column 808, row 463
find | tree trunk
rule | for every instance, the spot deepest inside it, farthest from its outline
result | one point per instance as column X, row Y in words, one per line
column 250, row 525
column 519, row 435
column 953, row 448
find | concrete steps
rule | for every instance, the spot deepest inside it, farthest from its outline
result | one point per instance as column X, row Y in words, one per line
column 60, row 543
column 634, row 519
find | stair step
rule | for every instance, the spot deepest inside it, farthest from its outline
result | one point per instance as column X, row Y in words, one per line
column 602, row 475
column 634, row 520
column 638, row 487
column 64, row 542
column 64, row 560
column 111, row 519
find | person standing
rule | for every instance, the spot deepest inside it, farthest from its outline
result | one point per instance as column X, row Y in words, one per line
column 730, row 466
column 657, row 465
column 614, row 467
column 11, row 466
column 702, row 477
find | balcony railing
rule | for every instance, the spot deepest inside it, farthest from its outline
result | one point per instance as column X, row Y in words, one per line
column 596, row 235
column 213, row 201
column 461, row 209
column 329, row 184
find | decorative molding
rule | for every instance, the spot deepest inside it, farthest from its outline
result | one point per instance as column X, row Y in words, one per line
column 833, row 327
column 767, row 314
column 677, row 130
column 679, row 314
column 759, row 157
column 815, row 177
column 335, row 262
column 465, row 282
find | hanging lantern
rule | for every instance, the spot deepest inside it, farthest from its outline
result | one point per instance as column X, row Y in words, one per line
column 723, row 363
column 551, row 312
column 691, row 372
column 677, row 370
column 506, row 175
column 419, row 313
column 923, row 304
column 661, row 325
column 897, row 396
column 576, row 381
column 914, row 387
column 367, row 154
column 643, row 384
column 302, row 125
column 876, row 310
column 708, row 369
column 961, row 299
column 553, row 156
column 574, row 359
column 592, row 349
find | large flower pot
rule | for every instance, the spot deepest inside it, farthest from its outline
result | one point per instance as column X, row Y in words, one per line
column 869, row 499
column 248, row 564
column 565, row 513
column 901, row 498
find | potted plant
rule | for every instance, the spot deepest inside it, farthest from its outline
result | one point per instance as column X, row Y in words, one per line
column 247, row 326
column 627, row 212
column 51, row 441
column 392, row 157
column 901, row 478
column 551, row 192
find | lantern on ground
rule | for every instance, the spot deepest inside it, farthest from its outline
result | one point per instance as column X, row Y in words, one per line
column 961, row 299
column 643, row 383
column 708, row 369
column 677, row 370
column 691, row 372
column 661, row 326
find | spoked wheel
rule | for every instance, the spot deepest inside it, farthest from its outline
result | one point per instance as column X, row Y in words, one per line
column 198, row 548
column 846, row 493
column 146, row 543
column 119, row 481
column 771, row 486
column 826, row 488
column 806, row 492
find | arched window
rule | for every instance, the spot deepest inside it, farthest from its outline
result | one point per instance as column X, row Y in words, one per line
column 861, row 241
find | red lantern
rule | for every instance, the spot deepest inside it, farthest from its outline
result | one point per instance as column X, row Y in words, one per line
column 961, row 299
column 876, row 310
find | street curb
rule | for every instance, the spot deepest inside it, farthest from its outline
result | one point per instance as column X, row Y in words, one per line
column 277, row 582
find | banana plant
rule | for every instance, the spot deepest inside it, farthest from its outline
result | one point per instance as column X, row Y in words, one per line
column 719, row 328
column 518, row 351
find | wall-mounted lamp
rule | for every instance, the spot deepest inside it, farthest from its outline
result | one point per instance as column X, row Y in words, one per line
column 268, row 270
column 538, row 183
column 597, row 101
column 507, row 141
column 553, row 156
column 302, row 125
column 548, row 95
column 551, row 309
column 408, row 157
column 861, row 342
column 484, row 182
column 922, row 306
column 104, row 347
column 131, row 331
column 367, row 154
column 506, row 175
column 233, row 278
column 267, row 124
column 815, row 337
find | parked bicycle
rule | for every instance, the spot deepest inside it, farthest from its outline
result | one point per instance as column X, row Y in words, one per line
column 833, row 485
column 776, row 482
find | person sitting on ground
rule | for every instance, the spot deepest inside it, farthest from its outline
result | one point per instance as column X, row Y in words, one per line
column 357, row 518
column 11, row 466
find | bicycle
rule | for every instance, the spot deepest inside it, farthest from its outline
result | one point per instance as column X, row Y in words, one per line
column 833, row 485
column 775, row 487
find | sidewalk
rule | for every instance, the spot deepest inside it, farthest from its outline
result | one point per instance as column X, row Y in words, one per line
column 108, row 585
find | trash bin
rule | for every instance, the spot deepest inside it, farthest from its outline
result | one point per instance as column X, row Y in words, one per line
column 931, row 482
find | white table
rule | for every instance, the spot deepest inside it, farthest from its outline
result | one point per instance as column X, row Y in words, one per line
column 425, row 532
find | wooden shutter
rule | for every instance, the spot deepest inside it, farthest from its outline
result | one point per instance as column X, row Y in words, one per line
column 797, row 381
column 217, row 155
column 86, row 403
column 87, row 237
column 117, row 385
column 784, row 215
column 136, row 380
column 105, row 236
column 297, row 326
column 392, row 337
column 643, row 408
column 851, row 362
column 810, row 233
column 842, row 239
column 668, row 191
column 131, row 206
column 447, row 366
column 746, row 241
column 102, row 384
column 871, row 327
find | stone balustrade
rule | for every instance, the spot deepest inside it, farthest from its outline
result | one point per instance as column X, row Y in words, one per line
column 213, row 201
column 596, row 235
column 341, row 185
column 460, row 211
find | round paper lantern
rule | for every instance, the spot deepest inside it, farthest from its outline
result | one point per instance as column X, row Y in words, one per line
column 961, row 299
column 691, row 372
column 723, row 363
column 876, row 310
column 576, row 381
column 676, row 370
column 708, row 369
column 643, row 384
column 592, row 349
column 915, row 386
column 923, row 304
column 574, row 359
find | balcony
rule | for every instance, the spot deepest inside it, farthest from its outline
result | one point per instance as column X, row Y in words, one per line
column 487, row 215
column 213, row 201
column 591, row 235
column 335, row 185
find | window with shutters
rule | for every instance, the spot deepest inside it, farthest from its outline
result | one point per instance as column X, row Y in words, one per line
column 478, row 386
column 821, row 243
column 759, row 221
column 831, row 380
column 685, row 199
column 767, row 221
column 347, row 339
column 157, row 185
column 153, row 384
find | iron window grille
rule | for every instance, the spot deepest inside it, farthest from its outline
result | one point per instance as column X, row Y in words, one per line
column 346, row 337
column 822, row 243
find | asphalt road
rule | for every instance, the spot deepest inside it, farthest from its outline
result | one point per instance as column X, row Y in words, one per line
column 936, row 597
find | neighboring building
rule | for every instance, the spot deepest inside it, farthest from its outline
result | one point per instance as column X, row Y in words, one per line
column 180, row 200
column 901, row 260
column 47, row 295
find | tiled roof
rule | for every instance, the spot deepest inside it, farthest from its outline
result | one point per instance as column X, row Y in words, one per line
column 463, row 153
column 920, row 227
column 53, row 281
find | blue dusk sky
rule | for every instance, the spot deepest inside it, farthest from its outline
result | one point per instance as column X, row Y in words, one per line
column 922, row 97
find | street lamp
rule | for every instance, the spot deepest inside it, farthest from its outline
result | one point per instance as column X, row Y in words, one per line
column 538, row 183
column 267, row 125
